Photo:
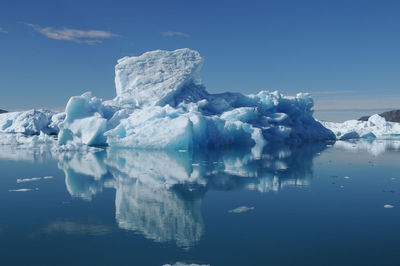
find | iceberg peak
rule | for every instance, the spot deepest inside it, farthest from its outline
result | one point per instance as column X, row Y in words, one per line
column 155, row 77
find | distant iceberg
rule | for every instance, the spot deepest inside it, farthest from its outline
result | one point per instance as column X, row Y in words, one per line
column 161, row 103
column 375, row 127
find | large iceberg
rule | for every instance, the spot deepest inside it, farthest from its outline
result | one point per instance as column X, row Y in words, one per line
column 161, row 104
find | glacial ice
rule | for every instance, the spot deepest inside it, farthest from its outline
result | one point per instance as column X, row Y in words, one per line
column 30, row 122
column 161, row 103
column 375, row 127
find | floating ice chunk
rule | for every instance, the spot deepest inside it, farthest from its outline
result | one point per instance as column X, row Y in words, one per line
column 48, row 177
column 347, row 177
column 185, row 264
column 20, row 190
column 241, row 209
column 23, row 180
column 388, row 206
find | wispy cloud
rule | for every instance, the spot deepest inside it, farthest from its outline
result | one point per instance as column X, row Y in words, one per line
column 3, row 30
column 90, row 37
column 174, row 33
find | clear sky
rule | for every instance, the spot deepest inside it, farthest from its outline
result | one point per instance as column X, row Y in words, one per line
column 346, row 53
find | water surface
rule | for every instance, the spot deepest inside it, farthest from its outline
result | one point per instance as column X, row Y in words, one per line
column 310, row 204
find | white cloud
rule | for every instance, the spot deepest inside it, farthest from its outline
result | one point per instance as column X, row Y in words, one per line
column 80, row 36
column 3, row 30
column 174, row 33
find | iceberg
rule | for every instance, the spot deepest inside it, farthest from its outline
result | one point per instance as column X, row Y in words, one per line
column 30, row 122
column 161, row 103
column 375, row 127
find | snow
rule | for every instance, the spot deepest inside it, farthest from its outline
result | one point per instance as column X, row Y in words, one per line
column 375, row 127
column 161, row 103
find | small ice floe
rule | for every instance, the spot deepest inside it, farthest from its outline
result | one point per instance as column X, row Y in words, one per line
column 185, row 264
column 195, row 164
column 48, row 177
column 388, row 206
column 23, row 180
column 341, row 186
column 347, row 177
column 20, row 190
column 393, row 178
column 241, row 209
column 182, row 150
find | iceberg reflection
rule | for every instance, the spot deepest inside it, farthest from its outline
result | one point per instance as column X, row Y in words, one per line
column 374, row 147
column 159, row 193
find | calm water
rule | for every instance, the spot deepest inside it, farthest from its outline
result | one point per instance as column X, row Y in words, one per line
column 314, row 204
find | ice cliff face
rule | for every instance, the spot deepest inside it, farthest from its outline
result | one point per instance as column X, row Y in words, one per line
column 157, row 77
column 161, row 104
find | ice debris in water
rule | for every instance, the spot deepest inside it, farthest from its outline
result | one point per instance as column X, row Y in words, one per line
column 23, row 180
column 388, row 206
column 161, row 103
column 185, row 264
column 241, row 209
column 347, row 177
column 20, row 190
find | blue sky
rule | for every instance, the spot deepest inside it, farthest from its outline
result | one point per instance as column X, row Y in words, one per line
column 346, row 53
